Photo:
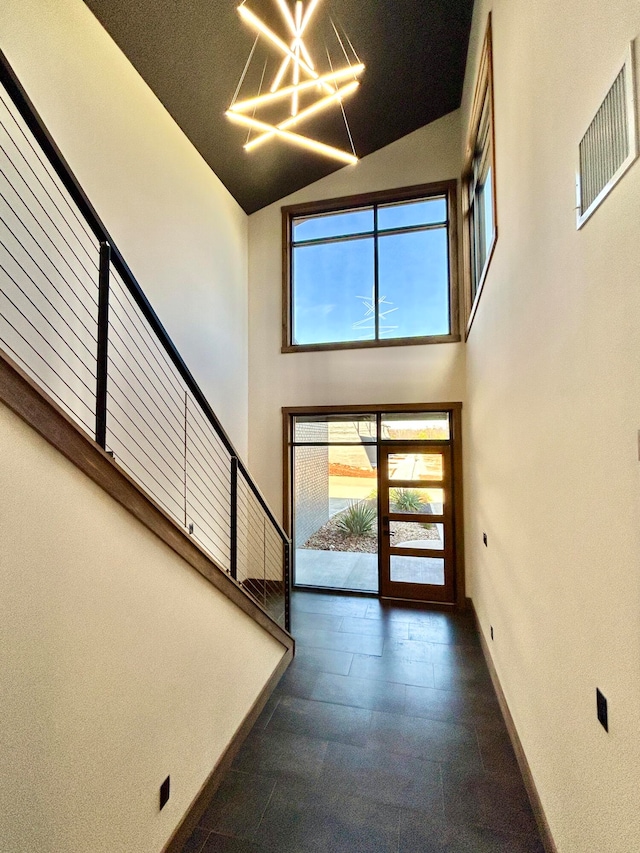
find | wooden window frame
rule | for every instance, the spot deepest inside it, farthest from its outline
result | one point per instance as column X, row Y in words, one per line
column 483, row 96
column 335, row 205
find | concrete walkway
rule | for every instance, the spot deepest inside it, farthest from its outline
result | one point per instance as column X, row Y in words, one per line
column 337, row 569
column 351, row 570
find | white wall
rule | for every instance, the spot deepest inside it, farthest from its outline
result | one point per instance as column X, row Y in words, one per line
column 180, row 231
column 361, row 376
column 120, row 664
column 553, row 391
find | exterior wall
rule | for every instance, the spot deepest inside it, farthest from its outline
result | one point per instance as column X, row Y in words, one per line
column 553, row 409
column 341, row 377
column 120, row 664
column 180, row 231
column 311, row 482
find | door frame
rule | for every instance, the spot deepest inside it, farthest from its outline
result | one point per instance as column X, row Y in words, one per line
column 455, row 419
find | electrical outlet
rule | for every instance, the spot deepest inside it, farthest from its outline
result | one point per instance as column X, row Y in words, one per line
column 484, row 539
column 603, row 714
column 164, row 792
column 492, row 632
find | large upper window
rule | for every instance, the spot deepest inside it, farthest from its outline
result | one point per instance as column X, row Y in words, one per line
column 479, row 184
column 371, row 271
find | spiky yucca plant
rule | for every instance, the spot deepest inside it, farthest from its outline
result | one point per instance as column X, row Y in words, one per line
column 358, row 519
column 407, row 500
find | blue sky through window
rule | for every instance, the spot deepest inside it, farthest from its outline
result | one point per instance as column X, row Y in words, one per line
column 413, row 275
column 331, row 282
column 425, row 212
column 333, row 225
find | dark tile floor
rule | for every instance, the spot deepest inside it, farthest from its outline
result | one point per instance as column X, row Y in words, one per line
column 384, row 736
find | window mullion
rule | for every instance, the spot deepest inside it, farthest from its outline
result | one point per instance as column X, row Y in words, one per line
column 376, row 287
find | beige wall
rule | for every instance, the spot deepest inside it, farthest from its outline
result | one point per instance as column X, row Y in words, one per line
column 553, row 391
column 386, row 375
column 180, row 231
column 120, row 664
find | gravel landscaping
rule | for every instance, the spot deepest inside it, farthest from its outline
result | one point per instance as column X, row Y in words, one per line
column 331, row 538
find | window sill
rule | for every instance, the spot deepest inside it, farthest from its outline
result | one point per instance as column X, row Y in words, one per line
column 395, row 342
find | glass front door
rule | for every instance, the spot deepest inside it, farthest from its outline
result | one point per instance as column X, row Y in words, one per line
column 416, row 532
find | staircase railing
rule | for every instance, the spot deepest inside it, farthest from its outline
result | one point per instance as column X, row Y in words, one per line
column 73, row 316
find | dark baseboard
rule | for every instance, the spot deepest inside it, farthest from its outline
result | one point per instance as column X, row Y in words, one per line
column 527, row 776
column 212, row 783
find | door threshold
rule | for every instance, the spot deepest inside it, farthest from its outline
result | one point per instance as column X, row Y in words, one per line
column 362, row 593
column 410, row 603
column 448, row 606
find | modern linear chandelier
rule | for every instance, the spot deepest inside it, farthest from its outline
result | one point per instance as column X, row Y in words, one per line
column 297, row 86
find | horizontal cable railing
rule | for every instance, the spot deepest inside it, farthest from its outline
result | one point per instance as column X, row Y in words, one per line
column 74, row 318
column 260, row 552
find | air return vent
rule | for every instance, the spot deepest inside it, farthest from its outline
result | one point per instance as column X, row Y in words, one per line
column 610, row 144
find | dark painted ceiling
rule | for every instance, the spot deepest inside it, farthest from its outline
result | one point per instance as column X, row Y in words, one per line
column 192, row 54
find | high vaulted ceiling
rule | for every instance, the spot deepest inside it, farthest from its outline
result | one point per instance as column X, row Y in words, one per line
column 192, row 54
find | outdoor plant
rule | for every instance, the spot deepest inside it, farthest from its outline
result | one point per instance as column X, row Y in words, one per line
column 358, row 519
column 407, row 500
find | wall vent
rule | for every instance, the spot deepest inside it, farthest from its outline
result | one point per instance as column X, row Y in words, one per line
column 610, row 144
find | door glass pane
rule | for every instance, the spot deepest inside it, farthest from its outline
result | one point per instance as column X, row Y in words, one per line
column 406, row 214
column 416, row 501
column 422, row 426
column 325, row 226
column 336, row 429
column 414, row 284
column 417, row 534
column 432, row 500
column 333, row 292
column 423, row 570
column 415, row 466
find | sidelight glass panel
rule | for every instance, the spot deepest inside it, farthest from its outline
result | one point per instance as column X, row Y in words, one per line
column 333, row 292
column 415, row 466
column 422, row 570
column 353, row 478
column 421, row 426
column 417, row 534
column 336, row 517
